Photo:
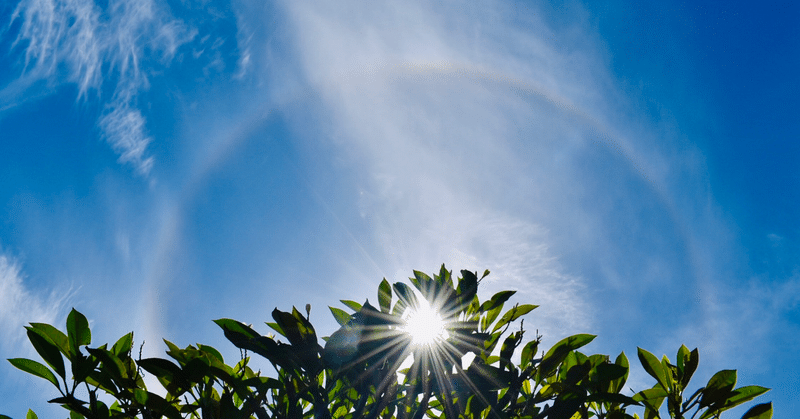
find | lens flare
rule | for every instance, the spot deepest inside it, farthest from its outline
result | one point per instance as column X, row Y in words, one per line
column 424, row 325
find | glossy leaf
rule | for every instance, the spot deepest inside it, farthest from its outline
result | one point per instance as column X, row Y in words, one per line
column 651, row 399
column 276, row 327
column 234, row 326
column 78, row 330
column 759, row 411
column 744, row 394
column 405, row 294
column 111, row 363
column 737, row 397
column 422, row 282
column 653, row 367
column 352, row 304
column 341, row 316
column 123, row 345
column 559, row 352
column 681, row 358
column 616, row 385
column 513, row 314
column 211, row 351
column 55, row 336
column 32, row 367
column 498, row 299
column 385, row 296
column 31, row 415
column 719, row 388
column 48, row 351
column 528, row 352
column 466, row 290
column 690, row 366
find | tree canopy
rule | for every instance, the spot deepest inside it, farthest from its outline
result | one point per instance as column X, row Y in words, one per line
column 432, row 351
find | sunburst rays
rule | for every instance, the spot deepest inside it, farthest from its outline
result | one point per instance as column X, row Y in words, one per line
column 426, row 339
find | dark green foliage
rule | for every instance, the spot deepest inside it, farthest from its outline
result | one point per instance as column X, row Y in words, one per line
column 471, row 370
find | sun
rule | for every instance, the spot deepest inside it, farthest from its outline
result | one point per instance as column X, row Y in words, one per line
column 424, row 325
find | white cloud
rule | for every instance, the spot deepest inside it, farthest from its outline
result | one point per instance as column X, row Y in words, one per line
column 124, row 129
column 458, row 162
column 79, row 42
column 20, row 306
column 485, row 136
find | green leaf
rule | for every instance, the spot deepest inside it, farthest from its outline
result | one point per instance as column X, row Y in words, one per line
column 340, row 315
column 385, row 296
column 111, row 363
column 653, row 367
column 617, row 384
column 352, row 304
column 32, row 367
column 48, row 351
column 82, row 366
column 743, row 394
column 212, row 351
column 78, row 330
column 405, row 294
column 102, row 410
column 652, row 397
column 759, row 411
column 236, row 332
column 528, row 351
column 490, row 317
column 422, row 282
column 690, row 366
column 559, row 352
column 719, row 388
column 498, row 299
column 31, row 415
column 513, row 314
column 466, row 290
column 670, row 372
column 681, row 358
column 445, row 277
column 737, row 397
column 507, row 349
column 55, row 336
column 274, row 326
column 102, row 380
column 123, row 345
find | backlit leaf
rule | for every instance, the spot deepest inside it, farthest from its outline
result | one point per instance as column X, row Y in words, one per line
column 32, row 367
column 513, row 314
column 352, row 304
column 78, row 330
column 340, row 315
column 653, row 367
column 123, row 345
column 48, row 351
column 56, row 336
column 759, row 411
column 719, row 388
column 385, row 296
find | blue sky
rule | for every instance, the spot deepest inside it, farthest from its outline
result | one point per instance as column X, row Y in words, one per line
column 630, row 167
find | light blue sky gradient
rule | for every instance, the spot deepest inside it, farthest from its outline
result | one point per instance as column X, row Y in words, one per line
column 629, row 167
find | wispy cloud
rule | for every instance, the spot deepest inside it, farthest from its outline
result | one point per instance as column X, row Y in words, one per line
column 457, row 163
column 113, row 48
column 19, row 306
column 509, row 147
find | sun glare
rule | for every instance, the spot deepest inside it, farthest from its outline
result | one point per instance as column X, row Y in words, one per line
column 424, row 325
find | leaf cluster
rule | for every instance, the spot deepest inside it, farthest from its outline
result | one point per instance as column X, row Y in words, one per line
column 480, row 368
